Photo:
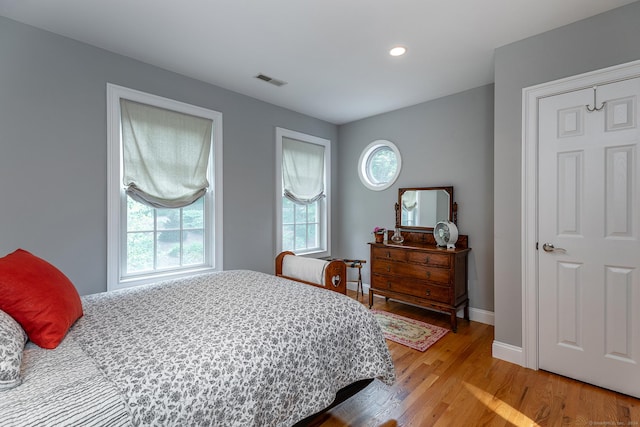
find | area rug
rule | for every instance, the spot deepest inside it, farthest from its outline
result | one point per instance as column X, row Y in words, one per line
column 409, row 332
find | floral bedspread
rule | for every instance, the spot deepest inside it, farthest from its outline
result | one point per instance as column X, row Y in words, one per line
column 234, row 348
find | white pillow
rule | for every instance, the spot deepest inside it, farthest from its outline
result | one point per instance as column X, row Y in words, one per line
column 12, row 341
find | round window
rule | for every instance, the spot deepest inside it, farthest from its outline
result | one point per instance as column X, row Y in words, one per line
column 379, row 165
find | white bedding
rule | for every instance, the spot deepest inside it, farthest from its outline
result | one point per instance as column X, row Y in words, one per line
column 62, row 387
column 236, row 348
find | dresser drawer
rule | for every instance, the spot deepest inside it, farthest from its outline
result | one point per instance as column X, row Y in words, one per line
column 417, row 288
column 417, row 257
column 430, row 259
column 389, row 253
column 432, row 274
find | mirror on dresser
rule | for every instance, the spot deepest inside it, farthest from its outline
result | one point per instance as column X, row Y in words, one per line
column 420, row 208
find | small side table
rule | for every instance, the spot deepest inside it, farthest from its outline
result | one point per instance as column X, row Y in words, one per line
column 356, row 263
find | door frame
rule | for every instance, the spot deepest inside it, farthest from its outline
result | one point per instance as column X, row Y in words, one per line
column 529, row 190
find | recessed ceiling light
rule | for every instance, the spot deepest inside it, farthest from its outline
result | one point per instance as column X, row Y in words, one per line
column 398, row 51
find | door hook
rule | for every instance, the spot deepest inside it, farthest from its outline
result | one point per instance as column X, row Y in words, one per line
column 594, row 108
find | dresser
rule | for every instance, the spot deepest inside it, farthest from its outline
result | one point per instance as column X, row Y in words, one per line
column 418, row 272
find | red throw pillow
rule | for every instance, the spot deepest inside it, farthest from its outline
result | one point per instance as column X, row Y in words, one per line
column 39, row 297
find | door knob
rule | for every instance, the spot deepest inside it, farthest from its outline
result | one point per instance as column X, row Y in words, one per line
column 548, row 247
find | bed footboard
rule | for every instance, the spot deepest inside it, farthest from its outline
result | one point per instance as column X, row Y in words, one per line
column 330, row 275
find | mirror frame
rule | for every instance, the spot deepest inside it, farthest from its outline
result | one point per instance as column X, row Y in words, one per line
column 453, row 207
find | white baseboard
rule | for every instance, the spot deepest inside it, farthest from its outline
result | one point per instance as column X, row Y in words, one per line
column 507, row 352
column 480, row 315
column 475, row 314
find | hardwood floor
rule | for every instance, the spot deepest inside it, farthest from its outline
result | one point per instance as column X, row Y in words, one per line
column 456, row 382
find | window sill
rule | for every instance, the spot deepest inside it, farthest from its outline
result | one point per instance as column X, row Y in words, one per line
column 130, row 282
column 319, row 253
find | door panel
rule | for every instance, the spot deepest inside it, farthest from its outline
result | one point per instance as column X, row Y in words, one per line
column 619, row 314
column 569, row 307
column 619, row 206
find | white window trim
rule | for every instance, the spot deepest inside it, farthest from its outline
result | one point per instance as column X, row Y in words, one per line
column 116, row 195
column 365, row 157
column 325, row 220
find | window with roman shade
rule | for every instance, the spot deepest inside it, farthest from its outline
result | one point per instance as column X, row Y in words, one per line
column 165, row 154
column 164, row 206
column 303, row 193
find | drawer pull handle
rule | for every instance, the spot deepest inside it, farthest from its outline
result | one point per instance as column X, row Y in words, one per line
column 427, row 261
column 428, row 292
column 388, row 285
column 388, row 254
column 428, row 275
column 388, row 268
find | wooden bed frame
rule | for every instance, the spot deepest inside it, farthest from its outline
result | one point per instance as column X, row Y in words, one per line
column 335, row 274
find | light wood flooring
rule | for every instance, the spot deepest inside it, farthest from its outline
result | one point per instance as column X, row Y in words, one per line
column 456, row 382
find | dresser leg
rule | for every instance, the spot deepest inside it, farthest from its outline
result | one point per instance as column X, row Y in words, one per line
column 466, row 311
column 454, row 321
column 370, row 298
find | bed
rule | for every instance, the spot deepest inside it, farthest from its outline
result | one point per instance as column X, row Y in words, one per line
column 232, row 348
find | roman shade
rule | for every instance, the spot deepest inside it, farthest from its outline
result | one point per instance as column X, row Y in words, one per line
column 409, row 200
column 165, row 155
column 302, row 171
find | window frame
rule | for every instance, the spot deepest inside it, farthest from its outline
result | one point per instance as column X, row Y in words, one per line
column 365, row 161
column 324, row 204
column 117, row 198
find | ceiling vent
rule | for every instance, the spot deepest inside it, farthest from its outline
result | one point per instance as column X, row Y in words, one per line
column 271, row 80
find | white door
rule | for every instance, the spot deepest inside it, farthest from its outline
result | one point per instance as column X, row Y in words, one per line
column 589, row 236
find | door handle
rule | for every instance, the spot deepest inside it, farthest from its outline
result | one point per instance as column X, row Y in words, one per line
column 548, row 247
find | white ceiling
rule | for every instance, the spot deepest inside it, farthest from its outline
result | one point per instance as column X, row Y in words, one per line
column 333, row 54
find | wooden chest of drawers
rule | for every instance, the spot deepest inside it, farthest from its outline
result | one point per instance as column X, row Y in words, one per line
column 423, row 274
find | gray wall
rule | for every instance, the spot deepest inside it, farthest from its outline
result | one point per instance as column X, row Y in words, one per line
column 598, row 42
column 53, row 150
column 448, row 141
